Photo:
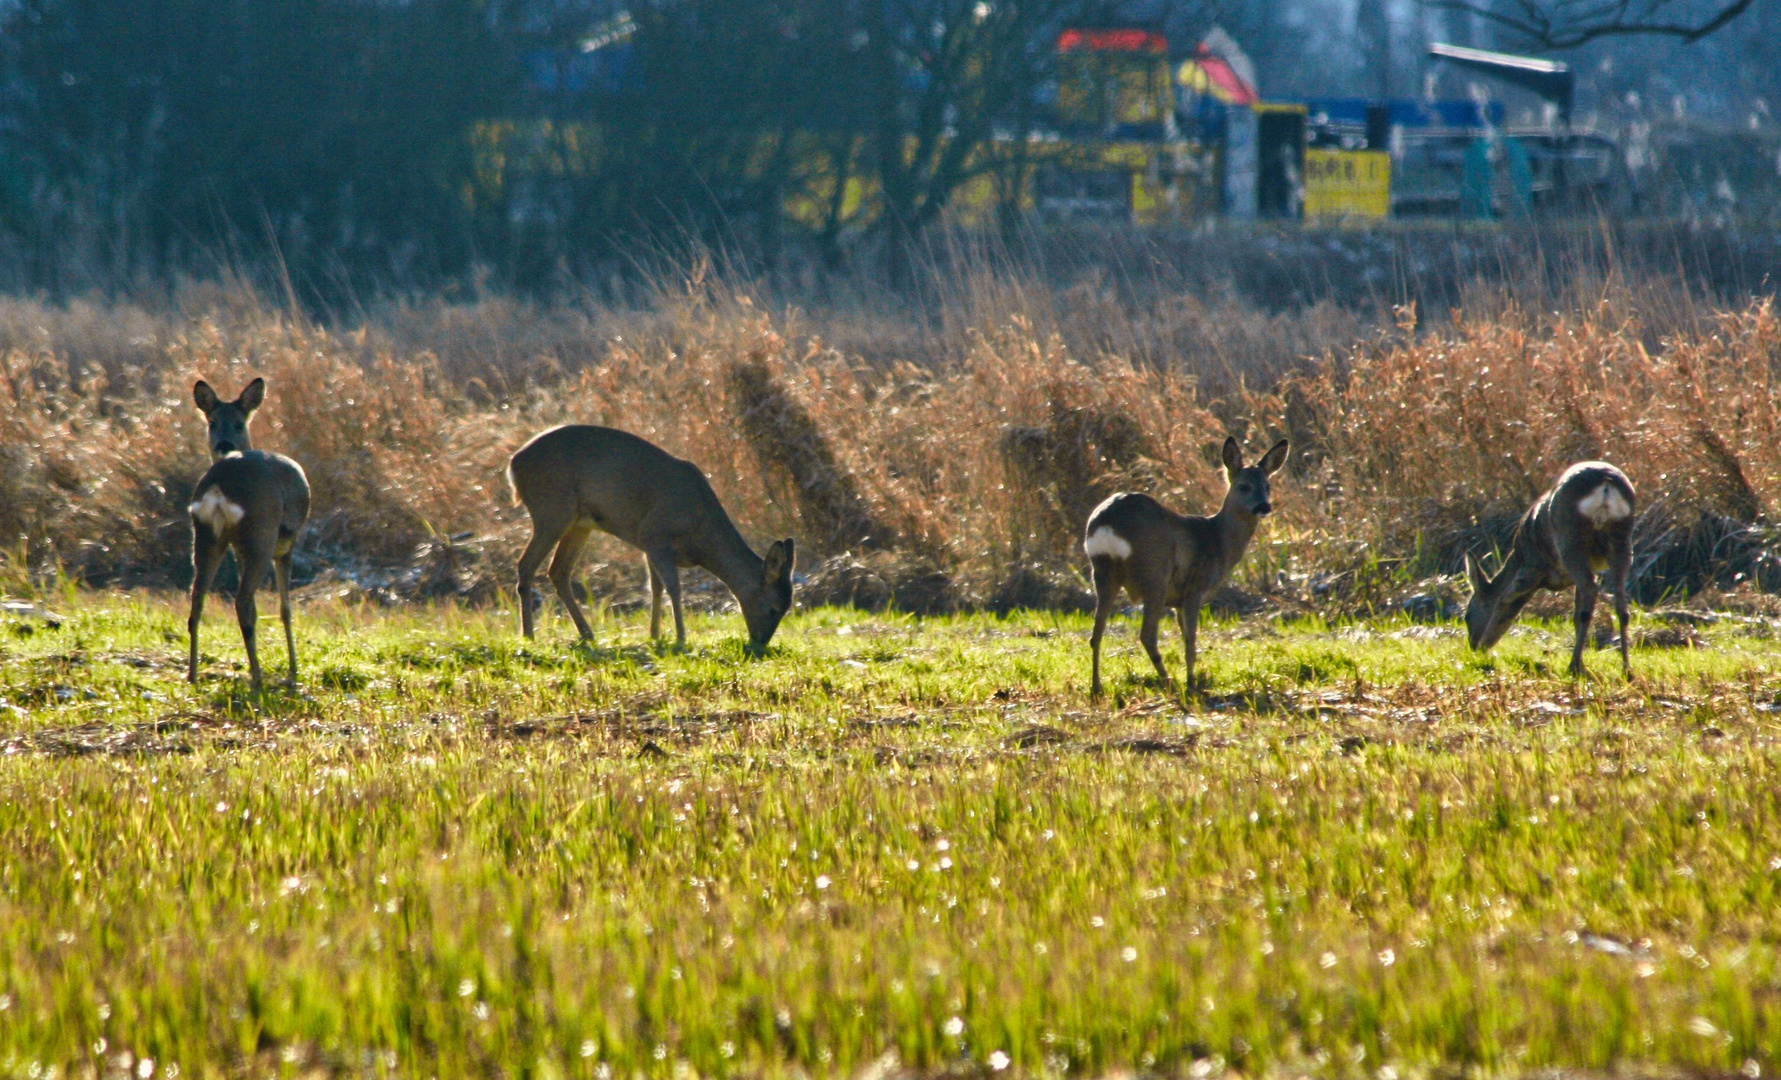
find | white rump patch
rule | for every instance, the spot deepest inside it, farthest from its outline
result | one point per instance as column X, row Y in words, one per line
column 1104, row 541
column 1604, row 505
column 216, row 511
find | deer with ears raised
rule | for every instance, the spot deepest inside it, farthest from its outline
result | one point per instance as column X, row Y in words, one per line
column 249, row 500
column 1169, row 560
column 1581, row 526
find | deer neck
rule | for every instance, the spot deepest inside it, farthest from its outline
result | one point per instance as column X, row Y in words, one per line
column 728, row 556
column 1518, row 562
column 1519, row 579
column 1236, row 525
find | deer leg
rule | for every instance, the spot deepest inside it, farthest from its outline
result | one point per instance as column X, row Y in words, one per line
column 1576, row 567
column 1106, row 591
column 1153, row 617
column 207, row 555
column 666, row 575
column 1622, row 565
column 254, row 565
column 282, row 567
column 655, row 601
column 1188, row 614
column 545, row 534
column 1582, row 616
column 679, row 622
column 1620, row 614
column 562, row 567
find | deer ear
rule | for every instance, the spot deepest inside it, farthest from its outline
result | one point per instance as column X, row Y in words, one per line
column 1232, row 454
column 778, row 561
column 1475, row 574
column 253, row 396
column 1273, row 459
column 204, row 397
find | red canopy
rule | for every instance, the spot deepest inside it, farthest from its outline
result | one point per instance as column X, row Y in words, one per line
column 1210, row 74
column 1117, row 40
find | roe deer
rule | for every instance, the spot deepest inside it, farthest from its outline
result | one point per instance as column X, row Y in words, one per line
column 249, row 500
column 1168, row 560
column 579, row 477
column 1581, row 526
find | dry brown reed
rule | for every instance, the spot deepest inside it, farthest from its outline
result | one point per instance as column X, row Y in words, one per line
column 1441, row 439
column 957, row 476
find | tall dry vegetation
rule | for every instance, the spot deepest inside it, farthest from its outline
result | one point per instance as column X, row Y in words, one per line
column 1443, row 438
column 957, row 474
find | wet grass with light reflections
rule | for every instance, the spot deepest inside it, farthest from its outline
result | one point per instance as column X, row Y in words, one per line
column 890, row 845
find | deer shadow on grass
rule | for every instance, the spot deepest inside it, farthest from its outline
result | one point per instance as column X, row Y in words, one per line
column 729, row 651
column 234, row 695
column 592, row 652
column 1140, row 687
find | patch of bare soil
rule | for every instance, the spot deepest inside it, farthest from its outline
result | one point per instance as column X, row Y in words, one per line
column 175, row 733
column 685, row 728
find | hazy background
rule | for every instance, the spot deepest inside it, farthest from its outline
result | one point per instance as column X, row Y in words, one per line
column 377, row 147
column 440, row 226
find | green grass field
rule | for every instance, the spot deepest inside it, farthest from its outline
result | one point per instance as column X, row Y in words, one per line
column 891, row 847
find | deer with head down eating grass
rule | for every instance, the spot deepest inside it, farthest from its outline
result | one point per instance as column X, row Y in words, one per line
column 581, row 477
column 1581, row 526
column 1169, row 560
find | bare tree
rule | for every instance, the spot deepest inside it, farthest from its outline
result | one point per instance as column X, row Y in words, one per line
column 1372, row 28
column 1566, row 24
column 939, row 75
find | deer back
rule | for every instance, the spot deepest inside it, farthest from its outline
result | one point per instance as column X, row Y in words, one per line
column 255, row 492
column 1589, row 509
column 623, row 485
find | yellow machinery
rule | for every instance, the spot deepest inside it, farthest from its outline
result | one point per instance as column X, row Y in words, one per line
column 1347, row 184
column 1117, row 153
column 1127, row 135
column 1110, row 148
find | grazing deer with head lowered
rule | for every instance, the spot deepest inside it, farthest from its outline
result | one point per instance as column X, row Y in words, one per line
column 578, row 478
column 251, row 501
column 1169, row 560
column 1580, row 527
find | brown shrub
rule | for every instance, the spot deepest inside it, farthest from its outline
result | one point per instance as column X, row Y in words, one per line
column 972, row 466
column 1064, row 467
column 793, row 453
column 1443, row 439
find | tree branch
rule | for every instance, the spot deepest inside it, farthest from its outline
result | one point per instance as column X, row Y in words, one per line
column 1547, row 24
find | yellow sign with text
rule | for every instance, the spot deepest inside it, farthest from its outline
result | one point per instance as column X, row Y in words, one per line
column 1347, row 183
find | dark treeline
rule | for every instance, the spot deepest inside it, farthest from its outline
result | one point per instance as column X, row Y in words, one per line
column 147, row 137
column 369, row 146
column 381, row 143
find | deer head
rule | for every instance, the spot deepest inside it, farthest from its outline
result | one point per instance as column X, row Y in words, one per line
column 1495, row 602
column 228, row 419
column 772, row 598
column 1250, row 492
